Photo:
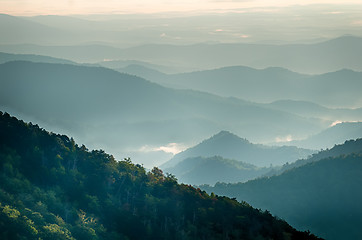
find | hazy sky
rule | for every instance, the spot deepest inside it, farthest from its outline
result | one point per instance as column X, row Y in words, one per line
column 65, row 7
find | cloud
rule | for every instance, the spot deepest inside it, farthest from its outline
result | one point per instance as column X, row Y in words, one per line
column 164, row 35
column 173, row 148
column 287, row 138
column 335, row 123
column 338, row 122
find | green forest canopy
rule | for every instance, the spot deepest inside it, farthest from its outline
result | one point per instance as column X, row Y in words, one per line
column 51, row 188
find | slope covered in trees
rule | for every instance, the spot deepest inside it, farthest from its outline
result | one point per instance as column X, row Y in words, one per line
column 323, row 195
column 348, row 147
column 51, row 188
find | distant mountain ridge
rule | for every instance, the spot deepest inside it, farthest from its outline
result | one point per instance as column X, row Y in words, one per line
column 93, row 41
column 230, row 146
column 240, row 81
column 333, row 89
column 307, row 58
column 310, row 109
column 16, row 30
column 7, row 57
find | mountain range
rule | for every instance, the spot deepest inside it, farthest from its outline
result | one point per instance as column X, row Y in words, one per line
column 316, row 58
column 300, row 119
column 151, row 89
column 108, row 108
column 96, row 41
column 300, row 93
column 334, row 89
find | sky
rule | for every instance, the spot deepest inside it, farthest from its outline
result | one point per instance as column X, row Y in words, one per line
column 69, row 7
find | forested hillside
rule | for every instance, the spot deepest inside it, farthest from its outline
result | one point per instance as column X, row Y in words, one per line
column 348, row 147
column 51, row 188
column 323, row 195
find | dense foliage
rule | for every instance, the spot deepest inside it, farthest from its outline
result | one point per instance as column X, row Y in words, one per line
column 51, row 188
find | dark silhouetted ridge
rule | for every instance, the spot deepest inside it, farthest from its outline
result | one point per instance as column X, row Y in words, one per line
column 321, row 194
